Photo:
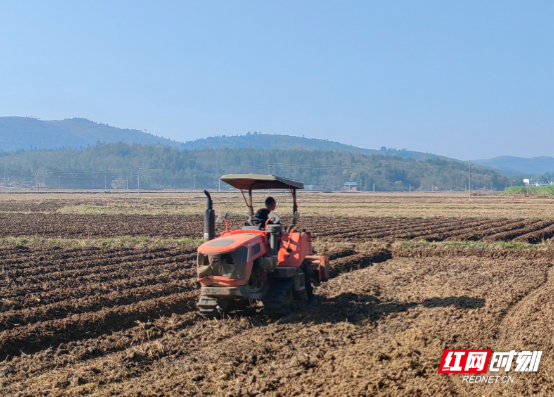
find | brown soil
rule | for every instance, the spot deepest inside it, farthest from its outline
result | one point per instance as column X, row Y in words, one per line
column 379, row 329
column 122, row 321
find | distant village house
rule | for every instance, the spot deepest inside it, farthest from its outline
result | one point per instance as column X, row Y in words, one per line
column 349, row 187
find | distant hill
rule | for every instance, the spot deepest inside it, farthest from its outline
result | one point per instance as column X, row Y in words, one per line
column 258, row 140
column 29, row 133
column 84, row 153
column 25, row 133
column 519, row 165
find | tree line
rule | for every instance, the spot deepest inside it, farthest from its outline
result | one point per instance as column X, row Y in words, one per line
column 118, row 166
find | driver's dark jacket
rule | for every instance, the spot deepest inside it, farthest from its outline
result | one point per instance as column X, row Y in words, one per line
column 260, row 217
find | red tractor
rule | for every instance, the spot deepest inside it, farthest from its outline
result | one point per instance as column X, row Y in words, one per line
column 268, row 262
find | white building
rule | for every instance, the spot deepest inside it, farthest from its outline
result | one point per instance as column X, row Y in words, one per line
column 535, row 182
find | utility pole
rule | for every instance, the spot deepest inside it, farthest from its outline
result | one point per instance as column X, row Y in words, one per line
column 470, row 179
column 127, row 184
column 59, row 182
column 194, row 183
column 38, row 183
column 105, row 183
column 374, row 188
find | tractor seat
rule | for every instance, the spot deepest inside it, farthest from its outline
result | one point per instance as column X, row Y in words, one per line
column 250, row 227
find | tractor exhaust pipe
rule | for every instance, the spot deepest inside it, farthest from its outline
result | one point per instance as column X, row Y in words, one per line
column 209, row 218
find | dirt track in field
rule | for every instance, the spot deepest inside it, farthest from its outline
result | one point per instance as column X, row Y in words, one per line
column 121, row 320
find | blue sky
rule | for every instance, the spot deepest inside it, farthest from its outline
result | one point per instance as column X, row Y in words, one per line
column 471, row 79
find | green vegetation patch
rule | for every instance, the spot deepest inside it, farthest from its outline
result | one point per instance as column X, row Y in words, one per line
column 537, row 191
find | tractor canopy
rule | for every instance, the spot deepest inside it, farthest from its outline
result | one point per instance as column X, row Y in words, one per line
column 259, row 181
column 251, row 182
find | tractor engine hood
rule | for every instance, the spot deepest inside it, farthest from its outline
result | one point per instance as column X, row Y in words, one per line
column 222, row 245
column 228, row 256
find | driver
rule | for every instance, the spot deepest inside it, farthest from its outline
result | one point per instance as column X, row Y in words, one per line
column 261, row 216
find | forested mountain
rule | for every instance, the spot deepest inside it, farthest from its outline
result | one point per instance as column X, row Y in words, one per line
column 162, row 167
column 30, row 133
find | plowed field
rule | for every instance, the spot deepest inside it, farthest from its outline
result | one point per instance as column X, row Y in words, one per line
column 326, row 228
column 81, row 314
